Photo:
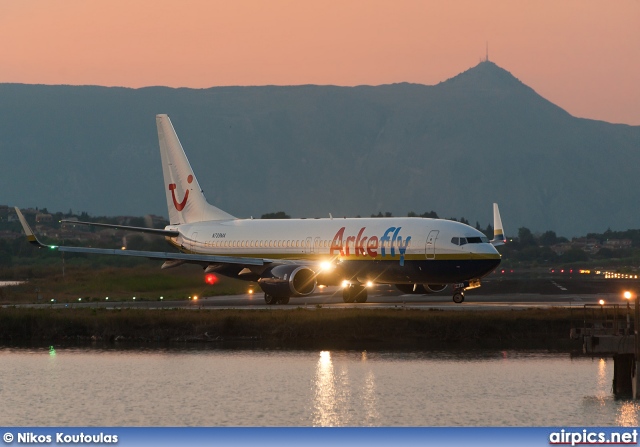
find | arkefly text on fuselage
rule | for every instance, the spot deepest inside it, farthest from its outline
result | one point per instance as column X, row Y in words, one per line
column 289, row 258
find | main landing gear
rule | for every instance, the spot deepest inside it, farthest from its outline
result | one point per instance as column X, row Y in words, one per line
column 271, row 300
column 354, row 293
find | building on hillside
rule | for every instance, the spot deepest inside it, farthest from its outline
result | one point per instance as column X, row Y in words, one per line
column 617, row 244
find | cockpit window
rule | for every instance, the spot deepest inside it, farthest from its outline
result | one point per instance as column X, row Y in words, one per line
column 458, row 240
column 469, row 240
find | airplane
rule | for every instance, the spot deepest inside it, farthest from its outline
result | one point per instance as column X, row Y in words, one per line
column 291, row 257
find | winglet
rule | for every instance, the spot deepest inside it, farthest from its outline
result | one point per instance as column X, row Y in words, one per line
column 498, row 231
column 31, row 237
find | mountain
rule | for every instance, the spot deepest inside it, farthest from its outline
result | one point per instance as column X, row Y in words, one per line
column 455, row 147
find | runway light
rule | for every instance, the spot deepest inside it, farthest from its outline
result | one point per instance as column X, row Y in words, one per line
column 627, row 295
column 123, row 248
column 195, row 297
column 601, row 302
column 134, row 297
column 250, row 291
column 79, row 299
column 106, row 298
column 161, row 298
column 210, row 279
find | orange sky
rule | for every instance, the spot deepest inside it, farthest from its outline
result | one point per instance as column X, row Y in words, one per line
column 583, row 55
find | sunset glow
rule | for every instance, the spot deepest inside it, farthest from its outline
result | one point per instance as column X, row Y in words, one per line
column 580, row 55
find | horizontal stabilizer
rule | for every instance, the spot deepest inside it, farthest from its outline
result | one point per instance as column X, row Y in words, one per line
column 157, row 231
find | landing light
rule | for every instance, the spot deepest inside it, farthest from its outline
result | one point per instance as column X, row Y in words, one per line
column 345, row 284
column 627, row 295
column 601, row 302
column 326, row 266
column 369, row 283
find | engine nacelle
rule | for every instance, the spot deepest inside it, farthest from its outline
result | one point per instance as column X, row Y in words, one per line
column 434, row 288
column 420, row 289
column 288, row 280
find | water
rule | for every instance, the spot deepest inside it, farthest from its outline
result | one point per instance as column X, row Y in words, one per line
column 206, row 387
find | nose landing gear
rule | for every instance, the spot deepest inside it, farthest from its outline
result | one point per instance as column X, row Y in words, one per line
column 458, row 296
column 458, row 289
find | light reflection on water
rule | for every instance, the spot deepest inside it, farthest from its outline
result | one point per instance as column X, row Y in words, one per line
column 304, row 388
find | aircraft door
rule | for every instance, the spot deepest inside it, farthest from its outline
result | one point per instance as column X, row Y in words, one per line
column 430, row 247
column 309, row 245
column 316, row 245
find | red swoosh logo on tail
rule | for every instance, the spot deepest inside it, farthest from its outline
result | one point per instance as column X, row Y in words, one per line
column 179, row 205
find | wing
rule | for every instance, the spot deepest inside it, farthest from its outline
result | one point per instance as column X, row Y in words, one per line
column 186, row 257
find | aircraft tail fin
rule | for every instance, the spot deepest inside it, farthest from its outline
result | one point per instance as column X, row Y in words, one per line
column 498, row 231
column 185, row 199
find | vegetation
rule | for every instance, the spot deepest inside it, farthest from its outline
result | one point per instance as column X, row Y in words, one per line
column 277, row 215
column 315, row 326
column 144, row 280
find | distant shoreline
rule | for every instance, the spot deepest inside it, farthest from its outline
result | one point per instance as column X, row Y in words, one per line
column 296, row 329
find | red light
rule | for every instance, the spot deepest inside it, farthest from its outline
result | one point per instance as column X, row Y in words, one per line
column 210, row 279
column 562, row 271
column 503, row 271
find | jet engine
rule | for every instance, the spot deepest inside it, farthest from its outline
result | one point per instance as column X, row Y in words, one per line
column 420, row 289
column 288, row 280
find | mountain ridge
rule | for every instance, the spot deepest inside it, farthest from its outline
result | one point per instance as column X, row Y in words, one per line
column 454, row 147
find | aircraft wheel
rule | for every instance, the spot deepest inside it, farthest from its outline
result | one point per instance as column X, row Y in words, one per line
column 359, row 294
column 270, row 299
column 283, row 300
column 362, row 296
column 458, row 297
column 346, row 295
